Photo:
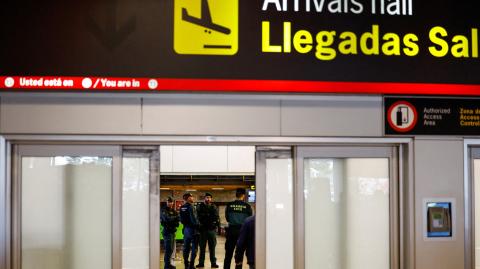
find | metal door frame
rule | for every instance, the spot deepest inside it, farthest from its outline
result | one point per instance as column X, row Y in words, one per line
column 471, row 152
column 405, row 172
column 261, row 154
column 153, row 154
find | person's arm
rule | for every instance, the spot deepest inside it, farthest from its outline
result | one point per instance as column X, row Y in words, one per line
column 176, row 219
column 193, row 218
column 201, row 214
column 227, row 212
column 249, row 210
column 163, row 217
column 217, row 217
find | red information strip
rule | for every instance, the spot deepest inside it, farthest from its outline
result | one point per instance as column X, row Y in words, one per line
column 73, row 83
column 12, row 83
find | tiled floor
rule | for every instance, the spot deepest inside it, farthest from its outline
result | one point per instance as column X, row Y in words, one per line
column 219, row 253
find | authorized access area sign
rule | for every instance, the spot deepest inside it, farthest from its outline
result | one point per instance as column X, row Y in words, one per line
column 432, row 116
column 354, row 46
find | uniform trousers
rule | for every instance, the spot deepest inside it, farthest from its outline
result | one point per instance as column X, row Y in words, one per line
column 169, row 243
column 233, row 232
column 210, row 237
column 190, row 244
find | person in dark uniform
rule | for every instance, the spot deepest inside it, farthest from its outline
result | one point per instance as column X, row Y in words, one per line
column 236, row 212
column 188, row 217
column 209, row 222
column 246, row 243
column 170, row 220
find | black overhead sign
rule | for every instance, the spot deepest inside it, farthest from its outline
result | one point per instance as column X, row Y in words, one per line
column 432, row 116
column 399, row 41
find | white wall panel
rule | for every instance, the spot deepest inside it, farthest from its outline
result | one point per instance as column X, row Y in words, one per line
column 207, row 159
column 166, row 159
column 202, row 159
column 192, row 115
column 337, row 116
column 211, row 116
column 50, row 115
column 241, row 159
column 439, row 174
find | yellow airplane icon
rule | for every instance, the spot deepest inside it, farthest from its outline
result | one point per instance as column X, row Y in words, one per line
column 205, row 20
column 196, row 32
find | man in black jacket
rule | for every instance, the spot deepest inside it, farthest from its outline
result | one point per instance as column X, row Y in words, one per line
column 188, row 217
column 170, row 221
column 209, row 222
column 246, row 243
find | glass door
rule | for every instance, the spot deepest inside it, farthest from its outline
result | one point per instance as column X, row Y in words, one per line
column 347, row 200
column 475, row 179
column 66, row 207
column 140, row 208
column 275, row 208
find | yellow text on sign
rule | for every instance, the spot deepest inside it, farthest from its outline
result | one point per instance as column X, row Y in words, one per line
column 206, row 27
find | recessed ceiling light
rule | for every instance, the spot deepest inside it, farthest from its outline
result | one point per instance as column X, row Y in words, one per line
column 164, row 188
column 218, row 189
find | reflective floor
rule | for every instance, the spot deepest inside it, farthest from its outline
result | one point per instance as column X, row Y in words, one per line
column 219, row 253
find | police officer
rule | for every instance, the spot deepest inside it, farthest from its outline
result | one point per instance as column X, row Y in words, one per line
column 188, row 217
column 170, row 220
column 209, row 221
column 236, row 212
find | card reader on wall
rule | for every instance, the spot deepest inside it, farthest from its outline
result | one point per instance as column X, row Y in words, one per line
column 439, row 219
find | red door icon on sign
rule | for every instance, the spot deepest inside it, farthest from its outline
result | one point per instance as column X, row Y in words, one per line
column 402, row 116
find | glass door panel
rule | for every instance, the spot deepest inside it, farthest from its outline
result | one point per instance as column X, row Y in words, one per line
column 346, row 213
column 66, row 203
column 347, row 207
column 66, row 212
column 135, row 213
column 279, row 196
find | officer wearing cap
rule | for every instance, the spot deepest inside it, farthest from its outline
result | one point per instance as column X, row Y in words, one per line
column 188, row 217
column 236, row 212
column 209, row 222
column 170, row 220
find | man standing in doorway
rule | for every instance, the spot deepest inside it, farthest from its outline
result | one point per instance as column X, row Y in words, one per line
column 236, row 212
column 170, row 221
column 209, row 222
column 188, row 217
